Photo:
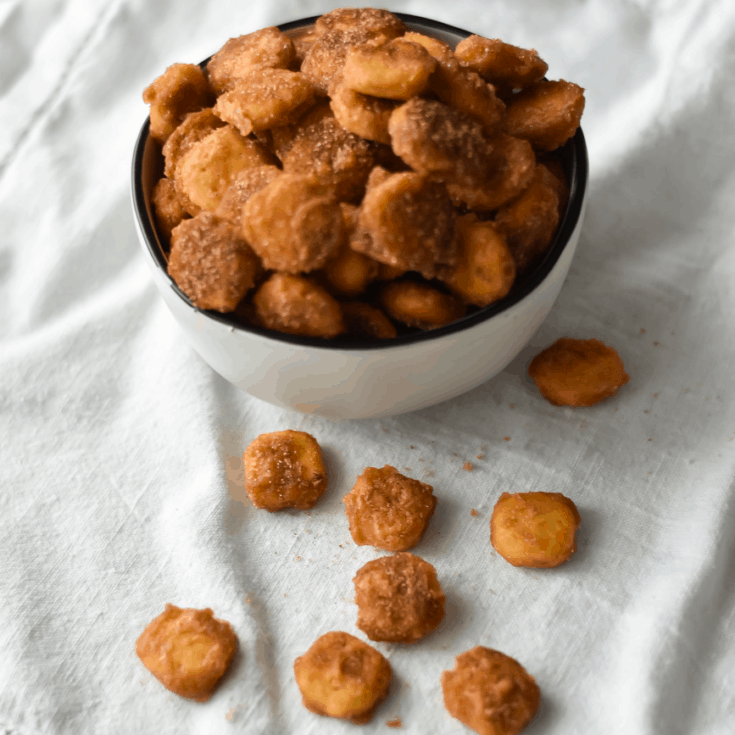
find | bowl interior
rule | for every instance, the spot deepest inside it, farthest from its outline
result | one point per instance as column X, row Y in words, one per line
column 148, row 168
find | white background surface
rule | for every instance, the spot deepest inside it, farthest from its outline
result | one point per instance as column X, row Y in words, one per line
column 120, row 477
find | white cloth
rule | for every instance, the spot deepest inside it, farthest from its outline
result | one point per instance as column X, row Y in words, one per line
column 120, row 453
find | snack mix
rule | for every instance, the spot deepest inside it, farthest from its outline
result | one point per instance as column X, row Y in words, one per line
column 358, row 179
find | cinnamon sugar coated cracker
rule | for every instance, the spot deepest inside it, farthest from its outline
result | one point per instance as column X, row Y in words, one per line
column 194, row 127
column 239, row 57
column 181, row 89
column 503, row 65
column 298, row 305
column 294, row 223
column 248, row 182
column 399, row 598
column 578, row 372
column 211, row 262
column 389, row 510
column 279, row 129
column 534, row 529
column 187, row 650
column 284, row 469
column 167, row 206
column 490, row 693
column 340, row 676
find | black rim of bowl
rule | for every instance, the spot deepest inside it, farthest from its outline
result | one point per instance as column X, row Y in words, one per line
column 574, row 159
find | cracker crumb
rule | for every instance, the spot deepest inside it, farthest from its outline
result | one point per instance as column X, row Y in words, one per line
column 298, row 558
column 467, row 466
column 512, row 406
column 248, row 600
column 655, row 395
column 480, row 456
column 285, row 594
column 394, row 723
column 411, row 446
column 645, row 411
column 473, row 512
column 655, row 344
column 507, row 438
column 643, row 331
column 650, row 439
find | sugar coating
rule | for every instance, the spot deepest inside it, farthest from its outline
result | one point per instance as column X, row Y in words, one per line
column 409, row 220
column 284, row 469
column 507, row 177
column 388, row 510
column 396, row 70
column 337, row 157
column 248, row 182
column 211, row 262
column 194, row 127
column 399, row 598
column 294, row 223
column 210, row 165
column 236, row 60
column 502, row 64
column 264, row 99
column 434, row 138
column 490, row 693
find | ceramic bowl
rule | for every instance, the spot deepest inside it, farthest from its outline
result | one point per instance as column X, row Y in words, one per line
column 351, row 379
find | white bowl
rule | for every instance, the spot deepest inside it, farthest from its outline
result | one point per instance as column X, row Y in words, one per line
column 346, row 380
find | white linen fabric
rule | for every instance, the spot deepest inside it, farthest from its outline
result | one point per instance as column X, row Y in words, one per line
column 120, row 449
